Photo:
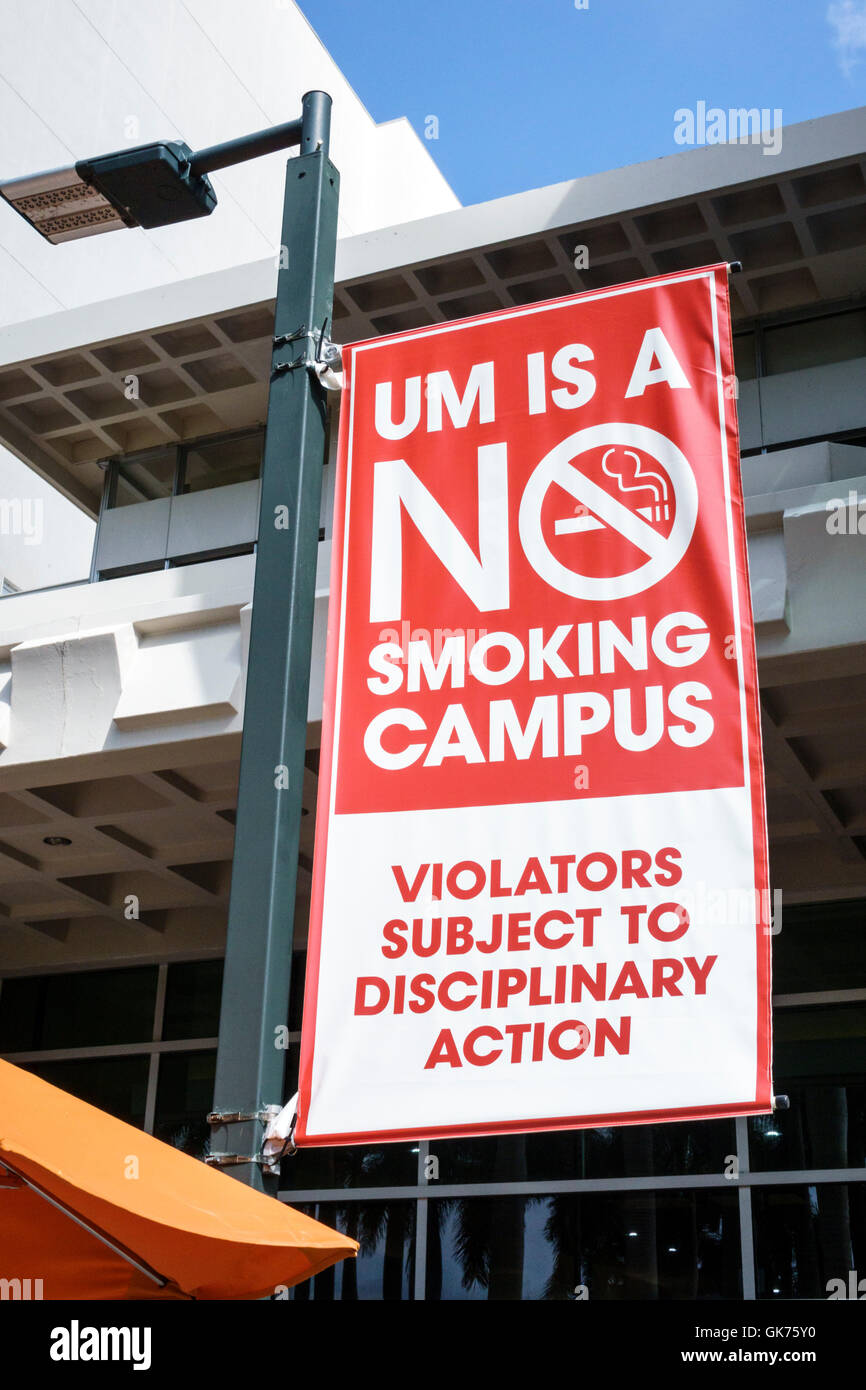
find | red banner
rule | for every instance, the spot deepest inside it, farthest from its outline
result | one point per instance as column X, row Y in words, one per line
column 540, row 893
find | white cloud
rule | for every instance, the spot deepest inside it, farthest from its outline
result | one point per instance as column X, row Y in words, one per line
column 847, row 18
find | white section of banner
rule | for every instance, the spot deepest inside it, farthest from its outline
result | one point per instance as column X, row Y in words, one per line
column 687, row 1050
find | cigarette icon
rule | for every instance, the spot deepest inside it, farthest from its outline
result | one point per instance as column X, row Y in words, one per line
column 658, row 510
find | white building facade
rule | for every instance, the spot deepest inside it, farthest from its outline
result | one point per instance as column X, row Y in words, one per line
column 121, row 710
column 192, row 70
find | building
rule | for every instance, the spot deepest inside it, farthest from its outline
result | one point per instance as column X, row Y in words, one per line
column 202, row 74
column 121, row 704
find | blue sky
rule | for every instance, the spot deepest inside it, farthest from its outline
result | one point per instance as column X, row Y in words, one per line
column 530, row 92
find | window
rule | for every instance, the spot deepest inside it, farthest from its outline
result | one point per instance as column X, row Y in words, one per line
column 613, row 1246
column 821, row 946
column 132, row 1025
column 791, row 347
column 144, row 479
column 807, row 1235
column 820, row 1064
column 745, row 356
column 383, row 1165
column 220, row 464
column 615, row 1152
column 173, row 469
column 88, row 1009
column 116, row 1084
column 633, row 1212
column 183, row 1100
column 385, row 1267
column 192, row 999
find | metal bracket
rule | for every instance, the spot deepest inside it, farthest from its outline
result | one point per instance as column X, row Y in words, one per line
column 307, row 358
column 321, row 356
column 231, row 1160
column 237, row 1117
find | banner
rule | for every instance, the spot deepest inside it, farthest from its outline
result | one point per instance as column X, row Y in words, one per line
column 540, row 889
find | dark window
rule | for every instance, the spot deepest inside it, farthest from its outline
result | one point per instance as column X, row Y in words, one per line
column 745, row 362
column 806, row 1236
column 820, row 946
column 820, row 1063
column 184, row 1098
column 296, row 991
column 791, row 347
column 382, row 1165
column 824, row 1128
column 91, row 1009
column 192, row 999
column 21, row 1004
column 615, row 1152
column 115, row 1084
column 385, row 1266
column 605, row 1246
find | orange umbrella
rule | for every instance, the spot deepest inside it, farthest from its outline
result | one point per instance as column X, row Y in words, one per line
column 96, row 1209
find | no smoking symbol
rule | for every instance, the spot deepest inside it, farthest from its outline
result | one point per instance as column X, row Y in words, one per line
column 558, row 467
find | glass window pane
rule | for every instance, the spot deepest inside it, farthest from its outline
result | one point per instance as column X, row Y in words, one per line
column 184, row 1099
column 805, row 1236
column 616, row 1152
column 604, row 1246
column 192, row 999
column 368, row 1165
column 385, row 1265
column 220, row 464
column 21, row 1003
column 92, row 1008
column 791, row 347
column 99, row 1007
column 820, row 1064
column 115, row 1084
column 744, row 356
column 146, row 478
column 820, row 946
column 824, row 1128
column 296, row 992
column 826, row 1041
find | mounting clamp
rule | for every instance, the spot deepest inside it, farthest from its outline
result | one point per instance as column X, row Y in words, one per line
column 320, row 356
column 239, row 1117
column 266, row 1116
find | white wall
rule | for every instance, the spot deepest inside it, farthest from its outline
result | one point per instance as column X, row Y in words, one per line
column 43, row 538
column 86, row 77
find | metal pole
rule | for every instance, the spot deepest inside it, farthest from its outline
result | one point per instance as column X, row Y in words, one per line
column 250, row 1061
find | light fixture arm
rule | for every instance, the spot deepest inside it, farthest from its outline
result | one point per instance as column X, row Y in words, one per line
column 311, row 132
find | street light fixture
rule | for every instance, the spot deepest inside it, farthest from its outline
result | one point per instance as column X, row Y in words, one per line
column 154, row 186
column 150, row 185
column 61, row 206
